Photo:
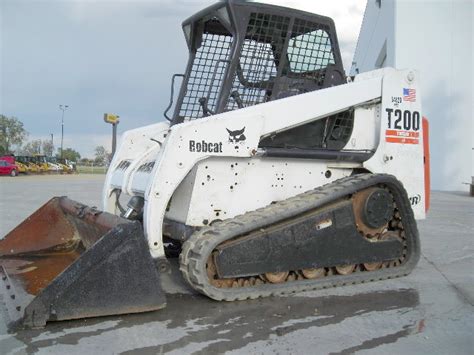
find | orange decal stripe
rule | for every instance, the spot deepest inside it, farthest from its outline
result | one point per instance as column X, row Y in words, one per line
column 393, row 132
column 426, row 151
column 402, row 140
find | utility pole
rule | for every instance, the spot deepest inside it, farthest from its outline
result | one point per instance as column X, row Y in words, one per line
column 114, row 137
column 52, row 144
column 114, row 121
column 62, row 108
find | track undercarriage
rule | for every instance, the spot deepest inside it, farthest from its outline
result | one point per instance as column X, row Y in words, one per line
column 354, row 230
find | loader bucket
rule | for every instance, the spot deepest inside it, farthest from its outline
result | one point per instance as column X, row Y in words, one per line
column 69, row 261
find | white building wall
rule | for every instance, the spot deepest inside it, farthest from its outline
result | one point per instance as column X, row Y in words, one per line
column 376, row 47
column 435, row 37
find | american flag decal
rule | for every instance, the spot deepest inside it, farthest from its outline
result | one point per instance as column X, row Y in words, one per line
column 409, row 95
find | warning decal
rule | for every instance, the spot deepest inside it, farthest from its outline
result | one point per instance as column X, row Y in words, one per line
column 406, row 137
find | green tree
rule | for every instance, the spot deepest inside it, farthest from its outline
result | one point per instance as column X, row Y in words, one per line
column 11, row 132
column 70, row 154
column 48, row 148
column 102, row 156
column 32, row 147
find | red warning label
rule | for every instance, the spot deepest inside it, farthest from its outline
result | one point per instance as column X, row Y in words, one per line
column 402, row 137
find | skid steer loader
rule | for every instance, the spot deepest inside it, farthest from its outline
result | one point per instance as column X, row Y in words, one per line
column 275, row 174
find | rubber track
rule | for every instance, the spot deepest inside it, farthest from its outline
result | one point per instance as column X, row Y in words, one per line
column 200, row 245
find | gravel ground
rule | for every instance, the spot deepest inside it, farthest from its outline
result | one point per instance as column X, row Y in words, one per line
column 429, row 311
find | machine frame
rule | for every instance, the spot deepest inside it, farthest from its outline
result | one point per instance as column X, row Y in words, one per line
column 154, row 161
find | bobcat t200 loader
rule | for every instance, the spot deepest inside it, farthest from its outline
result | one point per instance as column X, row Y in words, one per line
column 274, row 174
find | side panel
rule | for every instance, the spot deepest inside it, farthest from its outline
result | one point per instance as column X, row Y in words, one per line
column 363, row 138
column 186, row 144
column 400, row 151
column 222, row 188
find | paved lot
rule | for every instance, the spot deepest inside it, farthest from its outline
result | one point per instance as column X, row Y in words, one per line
column 430, row 311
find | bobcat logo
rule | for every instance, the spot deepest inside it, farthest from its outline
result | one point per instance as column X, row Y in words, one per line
column 236, row 136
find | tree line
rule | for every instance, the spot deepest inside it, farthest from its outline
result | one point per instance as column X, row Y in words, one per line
column 13, row 140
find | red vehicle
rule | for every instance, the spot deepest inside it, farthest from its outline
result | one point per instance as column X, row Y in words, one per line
column 7, row 168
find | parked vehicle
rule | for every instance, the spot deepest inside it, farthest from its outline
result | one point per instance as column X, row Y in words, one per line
column 22, row 168
column 42, row 166
column 70, row 165
column 51, row 167
column 29, row 161
column 64, row 169
column 7, row 168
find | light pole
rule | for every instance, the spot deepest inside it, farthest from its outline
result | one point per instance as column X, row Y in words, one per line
column 52, row 144
column 62, row 108
column 113, row 119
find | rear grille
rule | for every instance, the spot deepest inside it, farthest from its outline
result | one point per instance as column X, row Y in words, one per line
column 147, row 167
column 124, row 164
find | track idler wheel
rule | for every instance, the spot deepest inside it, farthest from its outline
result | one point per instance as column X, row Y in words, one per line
column 373, row 209
column 213, row 278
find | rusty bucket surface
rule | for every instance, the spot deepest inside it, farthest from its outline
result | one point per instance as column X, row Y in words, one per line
column 69, row 261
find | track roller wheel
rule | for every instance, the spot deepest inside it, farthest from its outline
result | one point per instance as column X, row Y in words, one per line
column 345, row 269
column 313, row 273
column 373, row 266
column 276, row 277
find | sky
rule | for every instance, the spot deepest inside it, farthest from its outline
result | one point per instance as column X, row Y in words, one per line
column 115, row 56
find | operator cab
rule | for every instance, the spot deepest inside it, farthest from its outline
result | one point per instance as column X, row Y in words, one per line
column 242, row 54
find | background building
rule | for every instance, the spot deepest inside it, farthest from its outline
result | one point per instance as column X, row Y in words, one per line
column 436, row 38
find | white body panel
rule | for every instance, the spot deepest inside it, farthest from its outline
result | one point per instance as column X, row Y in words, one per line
column 136, row 148
column 208, row 177
column 221, row 188
column 401, row 160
